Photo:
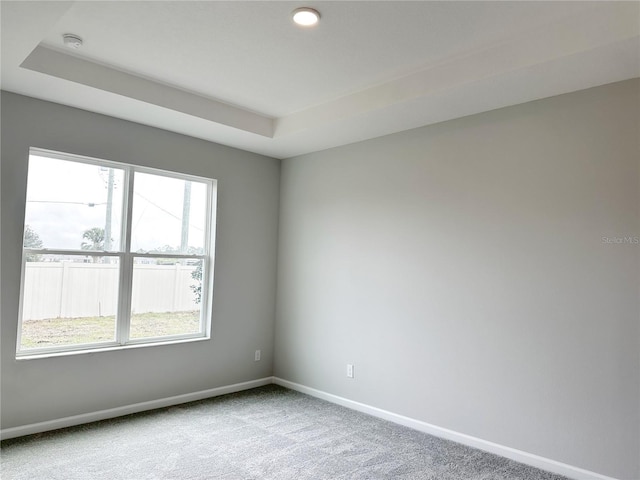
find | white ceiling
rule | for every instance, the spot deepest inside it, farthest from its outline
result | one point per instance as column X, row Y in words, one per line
column 242, row 74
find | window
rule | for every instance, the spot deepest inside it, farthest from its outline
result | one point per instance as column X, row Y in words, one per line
column 113, row 255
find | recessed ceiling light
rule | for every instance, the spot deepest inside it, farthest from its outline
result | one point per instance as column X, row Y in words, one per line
column 72, row 41
column 306, row 17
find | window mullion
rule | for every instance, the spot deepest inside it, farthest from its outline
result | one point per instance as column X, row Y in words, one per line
column 126, row 274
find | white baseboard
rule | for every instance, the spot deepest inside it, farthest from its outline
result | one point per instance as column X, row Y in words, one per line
column 507, row 452
column 128, row 409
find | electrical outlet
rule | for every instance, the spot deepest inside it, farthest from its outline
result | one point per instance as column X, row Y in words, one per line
column 349, row 370
column 258, row 355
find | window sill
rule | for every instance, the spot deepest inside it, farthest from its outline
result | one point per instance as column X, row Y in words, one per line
column 36, row 356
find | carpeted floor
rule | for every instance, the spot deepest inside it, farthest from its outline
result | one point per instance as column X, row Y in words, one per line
column 264, row 433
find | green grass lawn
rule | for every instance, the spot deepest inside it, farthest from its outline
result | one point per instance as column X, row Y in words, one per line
column 74, row 331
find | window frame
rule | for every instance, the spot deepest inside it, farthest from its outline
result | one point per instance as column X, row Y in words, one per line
column 126, row 263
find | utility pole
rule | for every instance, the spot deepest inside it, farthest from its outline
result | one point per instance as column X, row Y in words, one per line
column 107, row 225
column 186, row 209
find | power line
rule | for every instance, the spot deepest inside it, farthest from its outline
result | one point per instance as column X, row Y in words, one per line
column 166, row 211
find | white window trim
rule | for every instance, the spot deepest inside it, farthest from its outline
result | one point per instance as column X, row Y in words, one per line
column 126, row 257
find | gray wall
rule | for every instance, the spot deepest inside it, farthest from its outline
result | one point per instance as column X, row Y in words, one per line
column 461, row 268
column 245, row 269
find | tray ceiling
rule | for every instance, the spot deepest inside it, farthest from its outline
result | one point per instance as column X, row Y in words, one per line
column 242, row 74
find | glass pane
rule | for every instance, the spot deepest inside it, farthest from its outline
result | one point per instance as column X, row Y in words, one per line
column 73, row 205
column 166, row 297
column 169, row 215
column 69, row 300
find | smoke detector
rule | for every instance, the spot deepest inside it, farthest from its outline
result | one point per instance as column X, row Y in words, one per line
column 72, row 41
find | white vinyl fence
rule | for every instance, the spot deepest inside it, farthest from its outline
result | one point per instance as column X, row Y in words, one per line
column 72, row 290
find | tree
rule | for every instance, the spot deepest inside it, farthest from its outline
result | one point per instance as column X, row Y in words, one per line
column 32, row 240
column 197, row 288
column 95, row 236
